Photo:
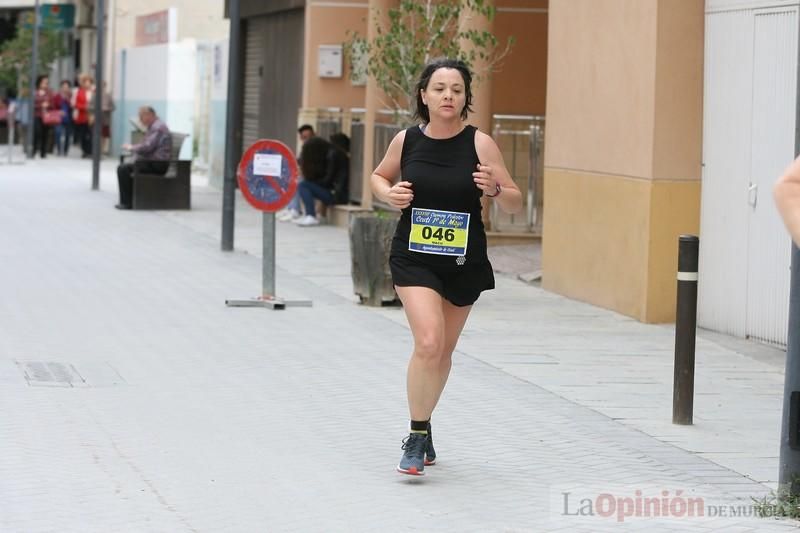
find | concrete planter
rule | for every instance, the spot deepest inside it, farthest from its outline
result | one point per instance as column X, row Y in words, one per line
column 370, row 243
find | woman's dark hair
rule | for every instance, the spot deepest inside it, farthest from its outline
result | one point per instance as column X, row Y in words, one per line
column 425, row 79
column 313, row 159
column 39, row 79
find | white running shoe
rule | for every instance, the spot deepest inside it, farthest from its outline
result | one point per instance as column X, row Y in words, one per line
column 307, row 221
column 288, row 214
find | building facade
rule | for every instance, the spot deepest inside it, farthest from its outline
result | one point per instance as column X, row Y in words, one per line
column 168, row 55
column 663, row 118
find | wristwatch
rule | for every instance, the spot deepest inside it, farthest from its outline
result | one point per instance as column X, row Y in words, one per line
column 499, row 190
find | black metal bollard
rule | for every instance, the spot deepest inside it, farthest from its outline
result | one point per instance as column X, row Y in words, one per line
column 685, row 329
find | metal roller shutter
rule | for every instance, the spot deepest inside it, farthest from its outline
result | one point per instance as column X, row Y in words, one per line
column 282, row 79
column 253, row 58
column 748, row 139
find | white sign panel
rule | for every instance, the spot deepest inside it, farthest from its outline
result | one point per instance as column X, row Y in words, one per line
column 267, row 164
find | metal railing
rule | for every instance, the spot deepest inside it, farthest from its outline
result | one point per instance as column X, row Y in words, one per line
column 384, row 133
column 356, row 161
column 521, row 141
column 520, row 138
column 329, row 122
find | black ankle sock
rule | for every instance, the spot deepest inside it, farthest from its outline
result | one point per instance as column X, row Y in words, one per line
column 419, row 426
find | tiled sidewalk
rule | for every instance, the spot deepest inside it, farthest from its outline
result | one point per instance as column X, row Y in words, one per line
column 185, row 415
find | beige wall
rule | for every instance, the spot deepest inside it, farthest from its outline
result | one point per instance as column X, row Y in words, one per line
column 590, row 251
column 613, row 240
column 622, row 150
column 197, row 19
column 482, row 87
column 520, row 85
column 678, row 134
column 600, row 86
column 328, row 23
column 674, row 210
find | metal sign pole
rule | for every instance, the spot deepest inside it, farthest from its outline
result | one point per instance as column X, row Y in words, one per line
column 268, row 298
column 12, row 124
column 233, row 107
column 268, row 257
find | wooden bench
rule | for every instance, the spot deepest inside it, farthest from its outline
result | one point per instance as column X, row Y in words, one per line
column 169, row 191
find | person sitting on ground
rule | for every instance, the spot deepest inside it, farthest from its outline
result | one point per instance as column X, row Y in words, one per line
column 292, row 211
column 318, row 179
column 339, row 165
column 152, row 155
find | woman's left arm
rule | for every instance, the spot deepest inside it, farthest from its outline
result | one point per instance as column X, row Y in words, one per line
column 492, row 176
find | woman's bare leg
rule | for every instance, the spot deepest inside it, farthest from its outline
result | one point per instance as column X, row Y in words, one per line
column 436, row 325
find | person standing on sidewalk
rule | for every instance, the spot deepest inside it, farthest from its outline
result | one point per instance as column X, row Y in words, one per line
column 82, row 117
column 438, row 258
column 64, row 129
column 42, row 103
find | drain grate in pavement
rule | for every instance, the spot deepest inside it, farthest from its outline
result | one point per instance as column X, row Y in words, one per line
column 51, row 374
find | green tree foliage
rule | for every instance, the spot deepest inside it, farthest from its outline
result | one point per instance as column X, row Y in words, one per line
column 17, row 54
column 418, row 31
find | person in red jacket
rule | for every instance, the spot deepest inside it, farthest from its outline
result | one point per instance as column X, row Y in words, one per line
column 61, row 101
column 42, row 103
column 82, row 117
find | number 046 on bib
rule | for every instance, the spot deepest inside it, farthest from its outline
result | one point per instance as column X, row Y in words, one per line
column 438, row 232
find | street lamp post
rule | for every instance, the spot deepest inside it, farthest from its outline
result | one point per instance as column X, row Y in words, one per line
column 789, row 465
column 231, row 153
column 790, row 426
column 34, row 74
column 98, row 99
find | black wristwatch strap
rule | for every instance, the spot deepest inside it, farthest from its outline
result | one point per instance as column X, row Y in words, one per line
column 499, row 190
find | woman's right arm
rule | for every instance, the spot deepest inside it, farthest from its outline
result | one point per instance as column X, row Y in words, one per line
column 787, row 199
column 398, row 194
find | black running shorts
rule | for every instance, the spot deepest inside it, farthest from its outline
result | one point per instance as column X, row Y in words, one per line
column 459, row 285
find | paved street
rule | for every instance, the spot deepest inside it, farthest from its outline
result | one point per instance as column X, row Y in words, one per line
column 132, row 399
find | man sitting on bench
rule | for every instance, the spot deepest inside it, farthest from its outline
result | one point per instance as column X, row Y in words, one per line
column 152, row 155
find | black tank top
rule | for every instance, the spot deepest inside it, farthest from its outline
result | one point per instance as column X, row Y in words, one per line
column 440, row 171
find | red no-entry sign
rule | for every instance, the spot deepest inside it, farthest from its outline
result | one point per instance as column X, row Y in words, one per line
column 268, row 175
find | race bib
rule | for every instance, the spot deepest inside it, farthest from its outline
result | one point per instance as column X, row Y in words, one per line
column 438, row 232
